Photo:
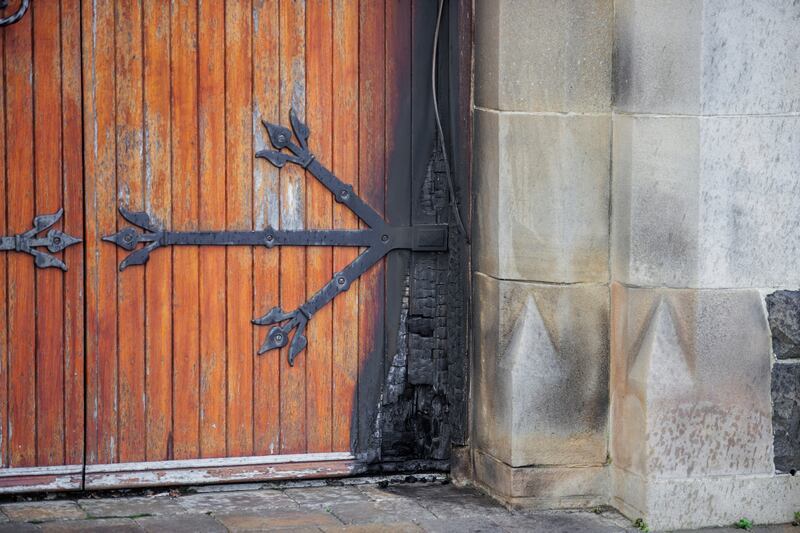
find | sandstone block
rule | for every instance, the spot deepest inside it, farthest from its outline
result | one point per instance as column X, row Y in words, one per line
column 543, row 487
column 690, row 383
column 706, row 202
column 706, row 56
column 541, row 372
column 542, row 193
column 543, row 55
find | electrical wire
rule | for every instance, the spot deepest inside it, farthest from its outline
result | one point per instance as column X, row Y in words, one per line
column 440, row 132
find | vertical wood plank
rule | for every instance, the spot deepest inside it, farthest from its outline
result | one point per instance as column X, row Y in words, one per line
column 319, row 207
column 185, row 209
column 293, row 259
column 21, row 290
column 130, row 193
column 371, row 168
column 266, row 212
column 72, row 177
column 101, row 258
column 49, row 282
column 158, row 196
column 239, row 278
column 345, row 166
column 211, row 123
column 4, row 377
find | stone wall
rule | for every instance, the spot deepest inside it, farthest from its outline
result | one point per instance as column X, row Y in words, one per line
column 541, row 294
column 637, row 207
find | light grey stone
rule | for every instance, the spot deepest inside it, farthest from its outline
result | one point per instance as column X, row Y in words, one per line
column 543, row 55
column 43, row 511
column 240, row 501
column 541, row 372
column 690, row 383
column 127, row 507
column 707, row 56
column 706, row 202
column 713, row 501
column 542, row 194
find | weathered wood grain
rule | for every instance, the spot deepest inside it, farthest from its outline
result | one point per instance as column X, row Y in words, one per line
column 49, row 282
column 293, row 259
column 4, row 376
column 185, row 211
column 21, row 281
column 130, row 192
column 72, row 178
column 158, row 200
column 319, row 209
column 266, row 212
column 168, row 106
column 345, row 165
column 166, row 473
column 211, row 124
column 239, row 167
column 102, row 435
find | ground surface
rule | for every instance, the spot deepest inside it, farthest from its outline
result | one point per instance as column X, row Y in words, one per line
column 397, row 507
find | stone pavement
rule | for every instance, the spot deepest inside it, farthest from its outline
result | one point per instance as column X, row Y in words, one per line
column 432, row 506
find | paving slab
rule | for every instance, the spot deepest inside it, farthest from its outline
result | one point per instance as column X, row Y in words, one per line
column 131, row 507
column 43, row 511
column 394, row 527
column 277, row 520
column 379, row 512
column 321, row 497
column 561, row 522
column 115, row 525
column 186, row 523
column 238, row 502
column 17, row 527
column 462, row 525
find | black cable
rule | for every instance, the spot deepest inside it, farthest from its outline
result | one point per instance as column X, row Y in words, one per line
column 451, row 187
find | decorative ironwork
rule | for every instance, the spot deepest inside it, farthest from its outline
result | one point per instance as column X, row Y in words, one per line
column 378, row 240
column 11, row 19
column 55, row 241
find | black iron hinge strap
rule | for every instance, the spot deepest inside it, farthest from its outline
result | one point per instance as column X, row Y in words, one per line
column 55, row 241
column 377, row 240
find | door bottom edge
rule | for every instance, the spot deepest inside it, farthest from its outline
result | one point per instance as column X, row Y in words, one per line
column 41, row 479
column 223, row 470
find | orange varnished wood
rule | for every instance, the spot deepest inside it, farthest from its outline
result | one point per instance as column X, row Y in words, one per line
column 319, row 208
column 344, row 164
column 130, row 192
column 102, row 376
column 266, row 211
column 49, row 282
column 239, row 185
column 72, row 180
column 158, row 200
column 21, row 280
column 371, row 168
column 167, row 98
column 4, row 392
column 41, row 313
column 185, row 210
column 211, row 149
column 293, row 259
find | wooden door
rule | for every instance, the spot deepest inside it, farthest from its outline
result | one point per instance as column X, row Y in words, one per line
column 150, row 376
column 174, row 96
column 41, row 309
